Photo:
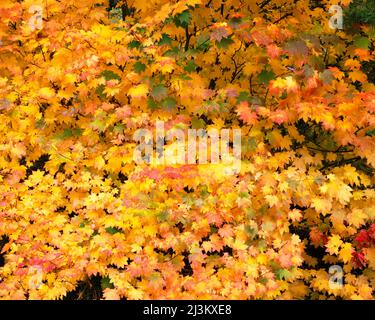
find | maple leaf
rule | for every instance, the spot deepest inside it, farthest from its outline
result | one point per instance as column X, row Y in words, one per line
column 333, row 244
column 370, row 257
column 261, row 38
column 280, row 84
column 346, row 252
column 111, row 294
column 321, row 205
column 74, row 203
column 245, row 113
column 46, row 93
column 285, row 260
column 219, row 31
column 317, row 237
column 359, row 260
column 295, row 215
column 226, row 231
column 279, row 116
column 357, row 217
column 357, row 76
column 352, row 64
column 273, row 51
column 139, row 91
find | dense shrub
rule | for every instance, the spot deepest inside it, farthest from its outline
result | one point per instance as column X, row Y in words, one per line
column 81, row 219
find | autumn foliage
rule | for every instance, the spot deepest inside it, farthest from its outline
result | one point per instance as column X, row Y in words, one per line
column 76, row 211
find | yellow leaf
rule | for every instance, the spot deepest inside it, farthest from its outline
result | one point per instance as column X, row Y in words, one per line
column 346, row 252
column 357, row 76
column 321, row 205
column 135, row 294
column 295, row 215
column 252, row 68
column 99, row 162
column 46, row 93
column 370, row 255
column 333, row 244
column 139, row 91
column 356, row 218
column 352, row 64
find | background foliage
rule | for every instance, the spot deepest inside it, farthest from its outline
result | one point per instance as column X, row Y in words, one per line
column 75, row 207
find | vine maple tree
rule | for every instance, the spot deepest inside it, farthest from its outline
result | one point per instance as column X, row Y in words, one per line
column 76, row 207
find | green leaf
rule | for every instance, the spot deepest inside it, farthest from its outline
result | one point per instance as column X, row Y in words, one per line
column 213, row 229
column 119, row 128
column 77, row 132
column 67, row 133
column 197, row 123
column 172, row 52
column 110, row 75
column 249, row 144
column 282, row 274
column 262, row 245
column 251, row 232
column 84, row 223
column 243, row 194
column 98, row 124
column 204, row 191
column 106, row 283
column 165, row 39
column 134, row 44
column 113, row 230
column 203, row 42
column 263, row 280
column 250, row 213
column 362, row 42
column 152, row 104
column 182, row 19
column 141, row 29
column 284, row 95
column 159, row 92
column 100, row 91
column 139, row 67
column 243, row 96
column 190, row 66
column 169, row 103
column 235, row 22
column 162, row 216
column 266, row 76
column 185, row 77
column 224, row 43
column 39, row 124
